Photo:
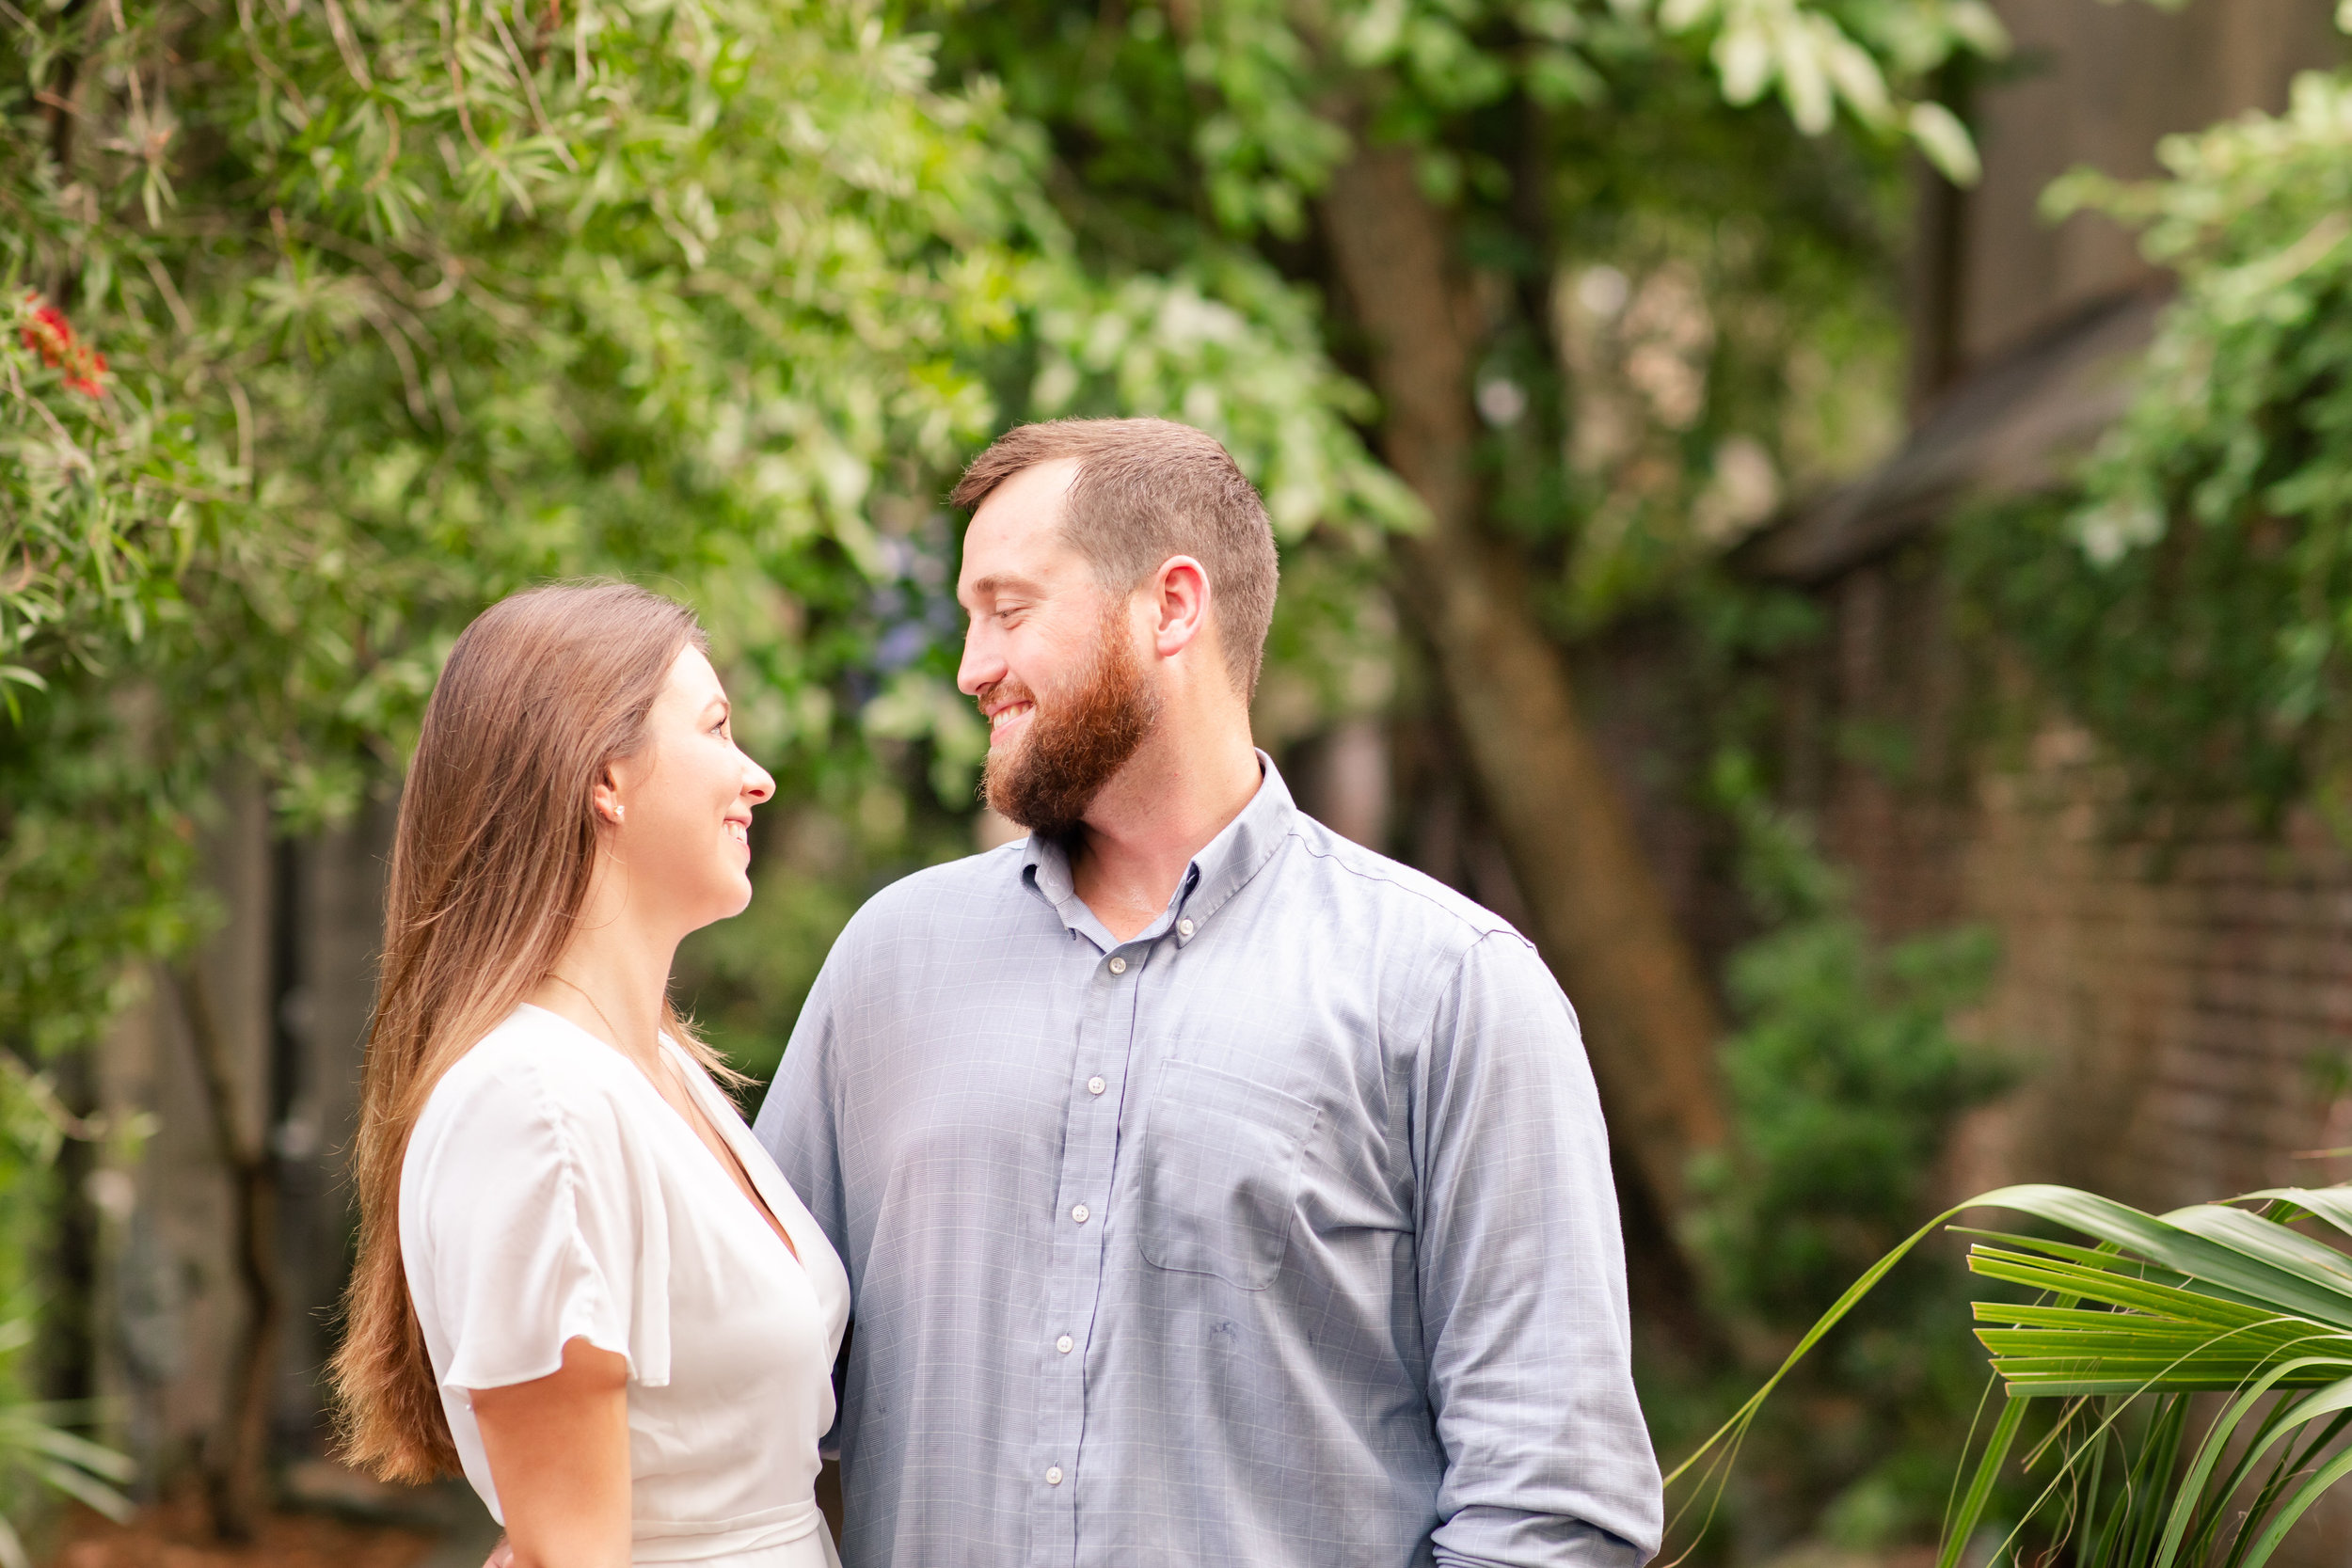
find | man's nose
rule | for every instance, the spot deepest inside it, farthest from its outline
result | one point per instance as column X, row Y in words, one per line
column 983, row 666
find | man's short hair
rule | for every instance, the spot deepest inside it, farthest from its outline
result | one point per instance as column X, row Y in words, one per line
column 1146, row 490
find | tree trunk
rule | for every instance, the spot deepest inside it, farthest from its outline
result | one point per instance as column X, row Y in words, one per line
column 237, row 1467
column 1601, row 920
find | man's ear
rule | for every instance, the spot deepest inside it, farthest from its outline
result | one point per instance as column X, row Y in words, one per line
column 1180, row 605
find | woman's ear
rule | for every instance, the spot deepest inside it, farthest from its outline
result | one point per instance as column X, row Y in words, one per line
column 604, row 800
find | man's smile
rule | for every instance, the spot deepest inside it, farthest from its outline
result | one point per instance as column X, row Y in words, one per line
column 1002, row 720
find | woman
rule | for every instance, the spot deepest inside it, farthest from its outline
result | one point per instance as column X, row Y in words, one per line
column 580, row 1278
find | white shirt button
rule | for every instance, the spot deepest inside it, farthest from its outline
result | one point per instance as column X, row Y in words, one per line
column 1052, row 1475
column 1064, row 1344
column 1118, row 966
column 1081, row 1213
column 1183, row 927
column 1096, row 1085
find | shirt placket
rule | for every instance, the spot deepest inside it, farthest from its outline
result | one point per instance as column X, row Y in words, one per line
column 1090, row 1151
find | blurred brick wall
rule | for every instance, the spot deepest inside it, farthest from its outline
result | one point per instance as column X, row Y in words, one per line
column 2178, row 1007
column 2179, row 1003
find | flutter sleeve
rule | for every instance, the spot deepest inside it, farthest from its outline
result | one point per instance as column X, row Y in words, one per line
column 538, row 1223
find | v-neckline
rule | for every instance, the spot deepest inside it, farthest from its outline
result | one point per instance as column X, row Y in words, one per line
column 761, row 1203
column 759, row 1198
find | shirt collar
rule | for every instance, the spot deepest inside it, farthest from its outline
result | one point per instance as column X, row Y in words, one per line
column 1224, row 865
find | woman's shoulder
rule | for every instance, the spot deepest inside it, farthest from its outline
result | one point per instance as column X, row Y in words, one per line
column 536, row 1083
column 528, row 1211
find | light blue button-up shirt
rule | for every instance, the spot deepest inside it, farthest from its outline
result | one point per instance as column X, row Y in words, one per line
column 1281, row 1234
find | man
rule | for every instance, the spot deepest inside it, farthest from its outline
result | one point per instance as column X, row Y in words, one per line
column 1213, row 1190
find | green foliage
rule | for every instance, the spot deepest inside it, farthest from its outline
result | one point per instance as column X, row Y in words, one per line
column 363, row 381
column 39, row 1457
column 1844, row 1080
column 2193, row 604
column 35, row 1447
column 1266, row 99
column 1684, row 305
column 406, row 307
column 1717, row 333
column 2115, row 1338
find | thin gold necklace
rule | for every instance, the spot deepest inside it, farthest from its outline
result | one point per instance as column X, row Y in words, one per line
column 601, row 1019
column 750, row 1189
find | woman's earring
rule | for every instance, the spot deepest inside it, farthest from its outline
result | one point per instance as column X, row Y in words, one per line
column 617, row 813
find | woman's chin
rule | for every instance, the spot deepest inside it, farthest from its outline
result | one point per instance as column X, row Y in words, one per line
column 729, row 895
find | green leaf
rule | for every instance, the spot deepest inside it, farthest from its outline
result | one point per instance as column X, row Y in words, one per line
column 1946, row 142
column 2221, row 1259
column 1961, row 1527
column 2335, row 1396
column 85, row 1488
column 2297, row 1503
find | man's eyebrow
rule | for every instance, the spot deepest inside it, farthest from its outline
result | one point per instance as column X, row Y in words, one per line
column 1001, row 582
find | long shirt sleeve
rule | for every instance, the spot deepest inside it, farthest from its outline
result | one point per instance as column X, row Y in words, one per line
column 1521, row 1275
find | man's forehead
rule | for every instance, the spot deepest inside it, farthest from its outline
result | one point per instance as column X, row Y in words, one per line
column 1015, row 538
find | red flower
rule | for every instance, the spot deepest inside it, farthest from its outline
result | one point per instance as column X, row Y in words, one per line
column 50, row 336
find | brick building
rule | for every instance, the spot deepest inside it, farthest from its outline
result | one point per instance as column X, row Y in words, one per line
column 2183, row 1007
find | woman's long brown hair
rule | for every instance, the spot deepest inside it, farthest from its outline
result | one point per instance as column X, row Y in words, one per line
column 490, row 864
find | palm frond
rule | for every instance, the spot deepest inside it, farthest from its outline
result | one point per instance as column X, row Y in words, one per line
column 2114, row 1338
column 35, row 1442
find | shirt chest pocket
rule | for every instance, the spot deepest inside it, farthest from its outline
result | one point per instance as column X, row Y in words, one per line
column 1220, row 1167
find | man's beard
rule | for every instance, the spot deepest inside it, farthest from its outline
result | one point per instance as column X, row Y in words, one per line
column 1075, row 747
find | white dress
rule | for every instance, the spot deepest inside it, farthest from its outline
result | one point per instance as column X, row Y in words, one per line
column 551, row 1192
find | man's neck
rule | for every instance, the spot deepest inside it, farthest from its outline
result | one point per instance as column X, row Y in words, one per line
column 1176, row 794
